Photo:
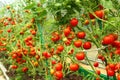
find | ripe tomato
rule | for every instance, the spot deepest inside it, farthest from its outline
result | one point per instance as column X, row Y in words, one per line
column 9, row 19
column 100, row 14
column 74, row 67
column 24, row 69
column 58, row 74
column 91, row 16
column 80, row 56
column 107, row 40
column 14, row 56
column 14, row 66
column 118, row 77
column 116, row 44
column 9, row 30
column 115, row 36
column 78, row 43
column 101, row 7
column 19, row 55
column 100, row 56
column 58, row 67
column 117, row 67
column 32, row 53
column 60, row 48
column 112, row 66
column 98, row 72
column 33, row 32
column 67, row 32
column 81, row 35
column 74, row 22
column 110, row 72
column 96, row 64
column 103, row 58
column 67, row 42
column 87, row 45
column 46, row 55
column 55, row 37
column 12, row 22
column 53, row 62
column 97, row 78
column 117, row 51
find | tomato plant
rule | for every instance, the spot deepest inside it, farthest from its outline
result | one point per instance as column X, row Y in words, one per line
column 50, row 38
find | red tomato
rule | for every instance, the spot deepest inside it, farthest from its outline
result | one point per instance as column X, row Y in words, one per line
column 9, row 19
column 103, row 58
column 107, row 68
column 117, row 67
column 14, row 56
column 9, row 30
column 72, row 50
column 115, row 36
column 97, row 78
column 78, row 43
column 81, row 35
column 14, row 66
column 69, row 27
column 100, row 56
column 98, row 72
column 112, row 66
column 24, row 69
column 29, row 38
column 53, row 62
column 58, row 74
column 5, row 23
column 55, row 37
column 67, row 32
column 117, row 51
column 74, row 22
column 116, row 44
column 74, row 67
column 107, row 40
column 91, row 16
column 87, row 45
column 19, row 55
column 12, row 22
column 32, row 53
column 18, row 60
column 110, row 72
column 67, row 42
column 46, row 55
column 96, row 64
column 58, row 67
column 118, row 77
column 101, row 7
column 100, row 14
column 33, row 32
column 60, row 48
column 80, row 56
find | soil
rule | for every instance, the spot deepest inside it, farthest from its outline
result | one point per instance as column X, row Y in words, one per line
column 12, row 73
column 72, row 77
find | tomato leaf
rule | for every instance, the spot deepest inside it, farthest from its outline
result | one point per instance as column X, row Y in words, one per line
column 30, row 6
column 107, row 4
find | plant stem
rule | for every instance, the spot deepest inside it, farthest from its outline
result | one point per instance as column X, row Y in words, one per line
column 90, row 63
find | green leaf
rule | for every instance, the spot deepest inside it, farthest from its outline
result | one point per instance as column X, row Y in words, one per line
column 30, row 6
column 107, row 4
